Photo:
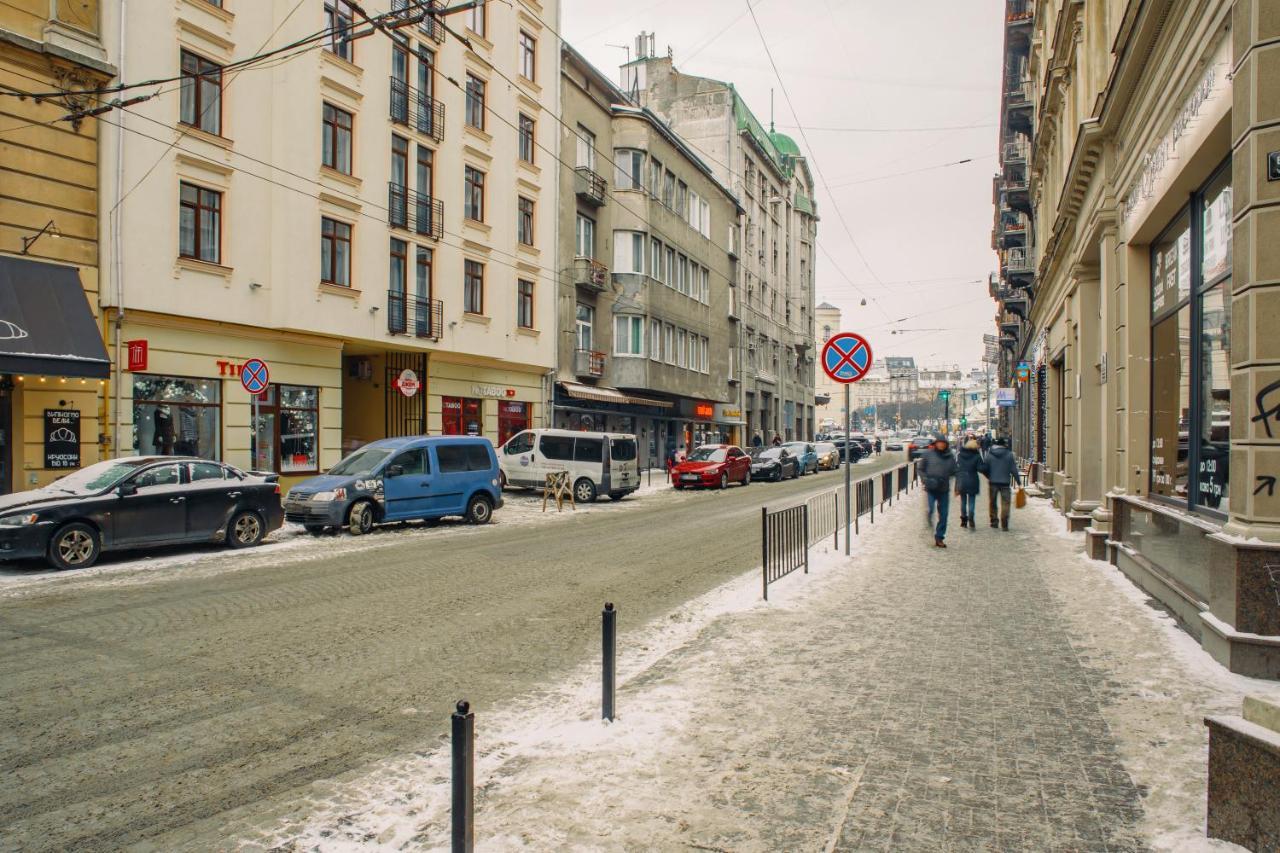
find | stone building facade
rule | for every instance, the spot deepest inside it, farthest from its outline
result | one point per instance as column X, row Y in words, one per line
column 1136, row 223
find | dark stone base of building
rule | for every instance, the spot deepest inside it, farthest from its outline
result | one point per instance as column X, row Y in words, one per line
column 1244, row 777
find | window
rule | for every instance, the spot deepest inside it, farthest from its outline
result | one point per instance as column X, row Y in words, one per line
column 706, row 349
column 161, row 475
column 588, row 450
column 201, row 102
column 557, row 447
column 473, row 194
column 669, row 270
column 206, row 471
column 585, row 149
column 338, row 22
column 628, row 251
column 585, row 243
column 655, row 258
column 398, row 215
column 513, row 418
column 526, row 138
column 682, row 348
column 287, row 432
column 628, row 335
column 706, row 286
column 669, row 350
column 426, row 178
column 682, row 190
column 524, row 220
column 682, row 274
column 460, row 416
column 669, row 189
column 528, row 56
column 176, row 415
column 427, row 92
column 199, row 223
column 524, row 304
column 412, row 461
column 337, row 139
column 473, row 287
column 655, row 340
column 520, row 443
column 477, row 18
column 630, row 165
column 475, row 102
column 335, row 252
column 424, row 279
column 585, row 318
column 655, row 177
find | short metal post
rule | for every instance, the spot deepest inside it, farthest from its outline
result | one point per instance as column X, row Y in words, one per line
column 464, row 776
column 805, row 543
column 837, row 521
column 872, row 484
column 609, row 658
column 764, row 548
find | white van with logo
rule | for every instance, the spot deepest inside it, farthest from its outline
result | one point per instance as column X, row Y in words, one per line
column 599, row 463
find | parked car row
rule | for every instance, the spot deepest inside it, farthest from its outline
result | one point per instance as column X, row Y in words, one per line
column 718, row 465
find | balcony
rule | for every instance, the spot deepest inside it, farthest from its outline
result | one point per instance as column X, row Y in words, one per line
column 413, row 211
column 588, row 364
column 413, row 108
column 1015, row 192
column 1015, row 153
column 1018, row 264
column 424, row 12
column 588, row 186
column 590, row 274
column 1019, row 104
column 416, row 315
column 1014, row 301
column 1019, row 16
column 1012, row 229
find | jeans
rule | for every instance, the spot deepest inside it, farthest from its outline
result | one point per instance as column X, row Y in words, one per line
column 968, row 504
column 1004, row 495
column 941, row 500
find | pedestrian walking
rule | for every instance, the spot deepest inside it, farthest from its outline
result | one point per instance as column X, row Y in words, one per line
column 968, row 461
column 937, row 468
column 985, row 443
column 1001, row 469
column 879, row 445
column 757, row 441
column 777, row 440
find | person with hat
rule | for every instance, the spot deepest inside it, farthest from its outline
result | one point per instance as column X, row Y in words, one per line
column 1001, row 469
column 968, row 460
column 937, row 468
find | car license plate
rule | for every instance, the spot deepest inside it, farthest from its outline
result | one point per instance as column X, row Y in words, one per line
column 689, row 477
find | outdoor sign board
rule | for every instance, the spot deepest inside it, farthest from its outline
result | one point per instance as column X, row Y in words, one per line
column 61, row 438
column 1006, row 397
column 846, row 357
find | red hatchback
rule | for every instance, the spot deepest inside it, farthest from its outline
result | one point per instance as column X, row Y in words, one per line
column 713, row 465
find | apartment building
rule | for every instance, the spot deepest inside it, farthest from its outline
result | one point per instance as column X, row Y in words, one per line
column 767, row 173
column 1136, row 220
column 647, row 293
column 370, row 213
column 53, row 365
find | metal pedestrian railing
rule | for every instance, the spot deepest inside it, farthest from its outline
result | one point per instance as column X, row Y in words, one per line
column 784, row 542
column 824, row 517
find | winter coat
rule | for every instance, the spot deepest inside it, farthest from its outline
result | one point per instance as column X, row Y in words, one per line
column 968, row 462
column 1000, row 466
column 937, row 469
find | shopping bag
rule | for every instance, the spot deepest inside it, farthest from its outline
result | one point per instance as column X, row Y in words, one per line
column 1020, row 498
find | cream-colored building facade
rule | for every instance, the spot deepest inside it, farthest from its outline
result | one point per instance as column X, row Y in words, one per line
column 373, row 216
column 1136, row 224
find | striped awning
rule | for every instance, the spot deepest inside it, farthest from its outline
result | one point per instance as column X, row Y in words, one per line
column 602, row 394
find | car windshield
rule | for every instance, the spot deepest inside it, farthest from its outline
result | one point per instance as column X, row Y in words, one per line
column 97, row 477
column 796, row 449
column 767, row 453
column 363, row 462
column 709, row 454
column 826, row 447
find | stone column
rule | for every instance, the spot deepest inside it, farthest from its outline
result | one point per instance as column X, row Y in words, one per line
column 1087, row 445
column 1108, row 418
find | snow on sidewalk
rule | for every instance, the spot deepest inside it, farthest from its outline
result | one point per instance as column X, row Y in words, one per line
column 1006, row 693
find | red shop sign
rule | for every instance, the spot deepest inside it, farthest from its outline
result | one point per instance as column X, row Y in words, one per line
column 137, row 354
column 704, row 411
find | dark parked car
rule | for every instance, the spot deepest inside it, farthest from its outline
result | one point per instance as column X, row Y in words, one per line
column 918, row 446
column 773, row 463
column 138, row 502
column 851, row 448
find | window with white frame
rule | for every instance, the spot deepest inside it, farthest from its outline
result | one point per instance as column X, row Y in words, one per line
column 585, row 317
column 669, row 270
column 628, row 251
column 655, row 177
column 669, row 349
column 682, row 347
column 706, row 348
column 655, row 258
column 682, row 274
column 586, row 148
column 630, row 167
column 706, row 286
column 585, row 241
column 628, row 335
column 655, row 340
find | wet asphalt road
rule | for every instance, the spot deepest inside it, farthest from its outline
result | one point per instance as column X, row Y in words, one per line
column 146, row 713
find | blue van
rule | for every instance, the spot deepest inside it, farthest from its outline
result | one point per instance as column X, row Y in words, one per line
column 401, row 479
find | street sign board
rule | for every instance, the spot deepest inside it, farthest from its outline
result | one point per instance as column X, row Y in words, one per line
column 846, row 357
column 254, row 376
column 407, row 383
column 1006, row 397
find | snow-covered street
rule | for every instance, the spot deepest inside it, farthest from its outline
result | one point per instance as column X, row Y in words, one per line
column 1007, row 693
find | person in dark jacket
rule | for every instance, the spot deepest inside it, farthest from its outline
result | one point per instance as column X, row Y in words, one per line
column 937, row 468
column 968, row 460
column 1001, row 468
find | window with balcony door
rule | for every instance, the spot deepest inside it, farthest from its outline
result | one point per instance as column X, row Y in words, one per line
column 201, row 98
column 475, row 102
column 336, row 141
column 473, row 287
column 397, row 281
column 399, row 181
column 585, row 237
column 586, row 150
column 585, row 319
column 199, row 223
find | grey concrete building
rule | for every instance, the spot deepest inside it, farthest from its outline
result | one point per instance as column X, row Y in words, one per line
column 778, row 229
column 646, row 294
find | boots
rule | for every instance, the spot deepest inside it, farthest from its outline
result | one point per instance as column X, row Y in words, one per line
column 1004, row 524
column 994, row 524
column 938, row 543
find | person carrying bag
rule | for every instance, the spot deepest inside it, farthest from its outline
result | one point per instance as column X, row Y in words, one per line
column 1001, row 469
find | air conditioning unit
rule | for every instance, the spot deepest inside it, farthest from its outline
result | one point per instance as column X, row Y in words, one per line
column 360, row 368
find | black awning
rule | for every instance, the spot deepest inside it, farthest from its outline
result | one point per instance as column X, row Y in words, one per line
column 46, row 324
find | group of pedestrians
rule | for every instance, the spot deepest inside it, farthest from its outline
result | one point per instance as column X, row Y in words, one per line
column 989, row 457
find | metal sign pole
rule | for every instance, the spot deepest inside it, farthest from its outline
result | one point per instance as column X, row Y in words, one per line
column 253, row 435
column 848, row 471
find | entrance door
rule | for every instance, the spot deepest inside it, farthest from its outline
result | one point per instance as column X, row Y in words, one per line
column 405, row 416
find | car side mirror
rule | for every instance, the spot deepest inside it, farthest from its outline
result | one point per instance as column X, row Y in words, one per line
column 125, row 490
column 394, row 471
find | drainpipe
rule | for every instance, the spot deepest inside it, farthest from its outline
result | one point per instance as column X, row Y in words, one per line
column 117, row 245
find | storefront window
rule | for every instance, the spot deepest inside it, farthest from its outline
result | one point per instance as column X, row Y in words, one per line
column 1215, row 396
column 288, row 430
column 462, row 416
column 176, row 415
column 512, row 418
column 1170, row 403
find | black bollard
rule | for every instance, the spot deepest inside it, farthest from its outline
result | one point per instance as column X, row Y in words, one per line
column 609, row 660
column 464, row 777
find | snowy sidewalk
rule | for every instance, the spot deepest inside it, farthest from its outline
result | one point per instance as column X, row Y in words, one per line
column 1006, row 693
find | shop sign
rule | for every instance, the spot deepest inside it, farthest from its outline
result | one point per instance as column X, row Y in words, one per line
column 137, row 355
column 704, row 411
column 61, row 438
column 728, row 414
column 492, row 391
column 512, row 408
column 1006, row 398
column 407, row 383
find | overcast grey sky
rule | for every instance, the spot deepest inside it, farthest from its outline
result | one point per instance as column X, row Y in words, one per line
column 869, row 65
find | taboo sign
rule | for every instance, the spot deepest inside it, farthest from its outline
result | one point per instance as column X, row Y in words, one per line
column 61, row 438
column 846, row 357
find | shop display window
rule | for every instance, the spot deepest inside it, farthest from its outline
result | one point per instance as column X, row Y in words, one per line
column 177, row 416
column 512, row 418
column 462, row 416
column 287, row 429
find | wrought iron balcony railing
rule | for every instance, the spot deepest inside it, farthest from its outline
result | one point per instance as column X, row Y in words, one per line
column 590, row 273
column 589, row 363
column 414, row 108
column 414, row 211
column 408, row 314
column 589, row 186
column 424, row 12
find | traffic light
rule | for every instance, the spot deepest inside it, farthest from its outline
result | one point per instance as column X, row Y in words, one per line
column 964, row 422
column 944, row 394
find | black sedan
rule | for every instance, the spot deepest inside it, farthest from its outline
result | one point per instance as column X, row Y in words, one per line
column 138, row 502
column 773, row 463
column 850, row 449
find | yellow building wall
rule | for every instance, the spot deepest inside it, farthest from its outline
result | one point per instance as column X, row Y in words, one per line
column 459, row 379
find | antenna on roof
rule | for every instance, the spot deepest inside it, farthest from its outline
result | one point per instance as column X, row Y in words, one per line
column 771, row 110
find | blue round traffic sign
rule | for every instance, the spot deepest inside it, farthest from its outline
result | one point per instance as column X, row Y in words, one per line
column 254, row 376
column 846, row 357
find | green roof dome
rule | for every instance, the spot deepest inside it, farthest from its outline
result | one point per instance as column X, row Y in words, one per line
column 785, row 144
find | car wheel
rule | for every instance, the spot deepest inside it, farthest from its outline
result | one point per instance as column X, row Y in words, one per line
column 746, row 478
column 724, row 481
column 479, row 510
column 360, row 518
column 502, row 480
column 315, row 529
column 245, row 530
column 75, row 546
column 584, row 491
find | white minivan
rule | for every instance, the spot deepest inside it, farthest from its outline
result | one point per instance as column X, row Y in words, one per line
column 599, row 463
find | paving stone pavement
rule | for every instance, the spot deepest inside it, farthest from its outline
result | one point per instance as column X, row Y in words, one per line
column 1003, row 694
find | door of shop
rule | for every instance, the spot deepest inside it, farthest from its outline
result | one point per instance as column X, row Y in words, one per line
column 405, row 415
